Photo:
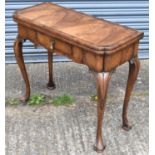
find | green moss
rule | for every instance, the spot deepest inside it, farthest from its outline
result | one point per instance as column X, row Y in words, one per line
column 64, row 99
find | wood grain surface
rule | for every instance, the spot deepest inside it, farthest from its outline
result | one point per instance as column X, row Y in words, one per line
column 77, row 28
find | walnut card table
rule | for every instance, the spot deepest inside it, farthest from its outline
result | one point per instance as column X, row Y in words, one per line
column 97, row 43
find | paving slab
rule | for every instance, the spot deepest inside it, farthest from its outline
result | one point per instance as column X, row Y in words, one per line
column 70, row 130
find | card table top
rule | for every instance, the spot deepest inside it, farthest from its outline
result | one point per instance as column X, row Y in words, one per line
column 77, row 28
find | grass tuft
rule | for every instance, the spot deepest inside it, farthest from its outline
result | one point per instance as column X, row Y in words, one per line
column 36, row 99
column 64, row 99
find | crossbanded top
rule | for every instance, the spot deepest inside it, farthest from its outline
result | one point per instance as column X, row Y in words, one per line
column 78, row 28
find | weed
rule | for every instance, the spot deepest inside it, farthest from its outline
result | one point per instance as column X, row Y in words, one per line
column 36, row 99
column 64, row 99
column 12, row 101
column 94, row 98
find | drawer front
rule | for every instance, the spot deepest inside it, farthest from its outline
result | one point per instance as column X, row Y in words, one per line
column 92, row 60
column 44, row 40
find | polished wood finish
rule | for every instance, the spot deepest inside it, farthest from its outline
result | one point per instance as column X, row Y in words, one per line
column 51, row 84
column 102, row 87
column 19, row 58
column 81, row 37
column 134, row 66
column 97, row 43
column 77, row 28
column 97, row 62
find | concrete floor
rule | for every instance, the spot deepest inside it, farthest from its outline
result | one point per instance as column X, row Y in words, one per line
column 70, row 130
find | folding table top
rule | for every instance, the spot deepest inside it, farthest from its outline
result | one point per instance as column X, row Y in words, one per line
column 77, row 28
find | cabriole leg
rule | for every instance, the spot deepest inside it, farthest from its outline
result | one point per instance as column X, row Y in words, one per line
column 19, row 57
column 102, row 87
column 134, row 66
